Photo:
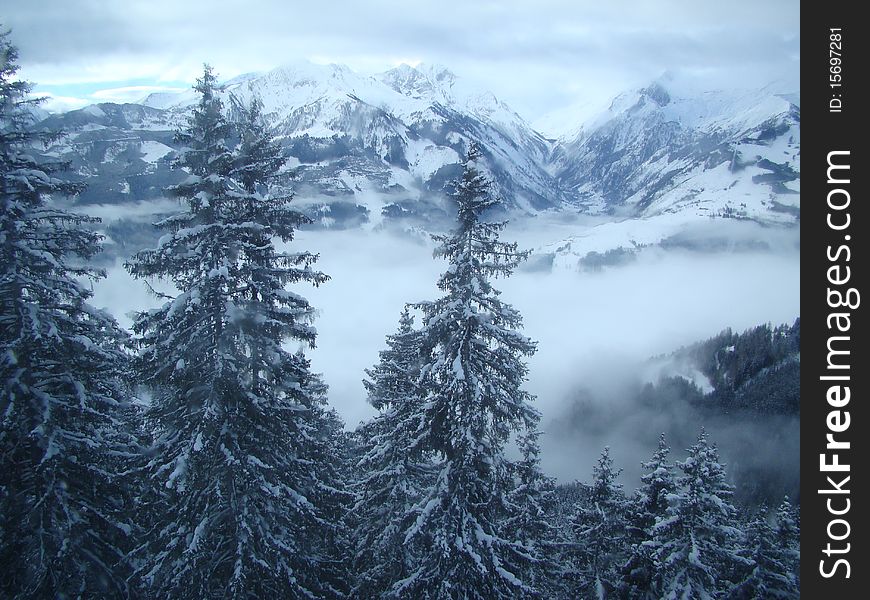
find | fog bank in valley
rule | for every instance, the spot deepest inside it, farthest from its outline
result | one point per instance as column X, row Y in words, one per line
column 595, row 330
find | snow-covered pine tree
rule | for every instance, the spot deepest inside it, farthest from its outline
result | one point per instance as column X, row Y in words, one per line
column 396, row 468
column 649, row 505
column 528, row 521
column 768, row 573
column 695, row 544
column 63, row 407
column 788, row 536
column 240, row 429
column 472, row 401
column 257, row 161
column 599, row 523
column 333, row 465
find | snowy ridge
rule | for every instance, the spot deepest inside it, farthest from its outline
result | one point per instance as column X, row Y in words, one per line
column 365, row 149
column 395, row 115
column 669, row 148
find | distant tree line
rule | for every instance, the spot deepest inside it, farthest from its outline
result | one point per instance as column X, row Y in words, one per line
column 754, row 371
column 197, row 458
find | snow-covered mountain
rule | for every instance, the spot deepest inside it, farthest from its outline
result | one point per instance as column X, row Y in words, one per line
column 364, row 149
column 401, row 131
column 670, row 162
column 659, row 150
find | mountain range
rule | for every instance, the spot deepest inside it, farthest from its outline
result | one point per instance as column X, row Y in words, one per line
column 368, row 149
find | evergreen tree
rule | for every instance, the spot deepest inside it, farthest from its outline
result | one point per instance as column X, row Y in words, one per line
column 527, row 522
column 769, row 572
column 258, row 156
column 241, row 434
column 599, row 524
column 396, row 467
column 565, row 578
column 63, row 407
column 650, row 504
column 472, row 401
column 788, row 536
column 695, row 544
column 333, row 463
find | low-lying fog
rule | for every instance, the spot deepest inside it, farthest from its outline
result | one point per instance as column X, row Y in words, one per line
column 594, row 329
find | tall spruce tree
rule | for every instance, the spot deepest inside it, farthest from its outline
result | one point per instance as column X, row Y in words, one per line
column 696, row 544
column 599, row 525
column 240, row 430
column 768, row 571
column 397, row 469
column 650, row 504
column 63, row 406
column 472, row 401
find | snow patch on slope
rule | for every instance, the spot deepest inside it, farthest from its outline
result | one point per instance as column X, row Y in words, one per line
column 153, row 151
column 425, row 157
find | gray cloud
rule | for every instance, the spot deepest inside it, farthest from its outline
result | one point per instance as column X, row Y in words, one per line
column 536, row 56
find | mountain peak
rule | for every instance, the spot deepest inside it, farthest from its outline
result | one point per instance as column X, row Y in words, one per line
column 437, row 72
column 433, row 82
column 657, row 93
column 304, row 72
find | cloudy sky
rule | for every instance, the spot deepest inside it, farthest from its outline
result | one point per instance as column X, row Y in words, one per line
column 537, row 56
